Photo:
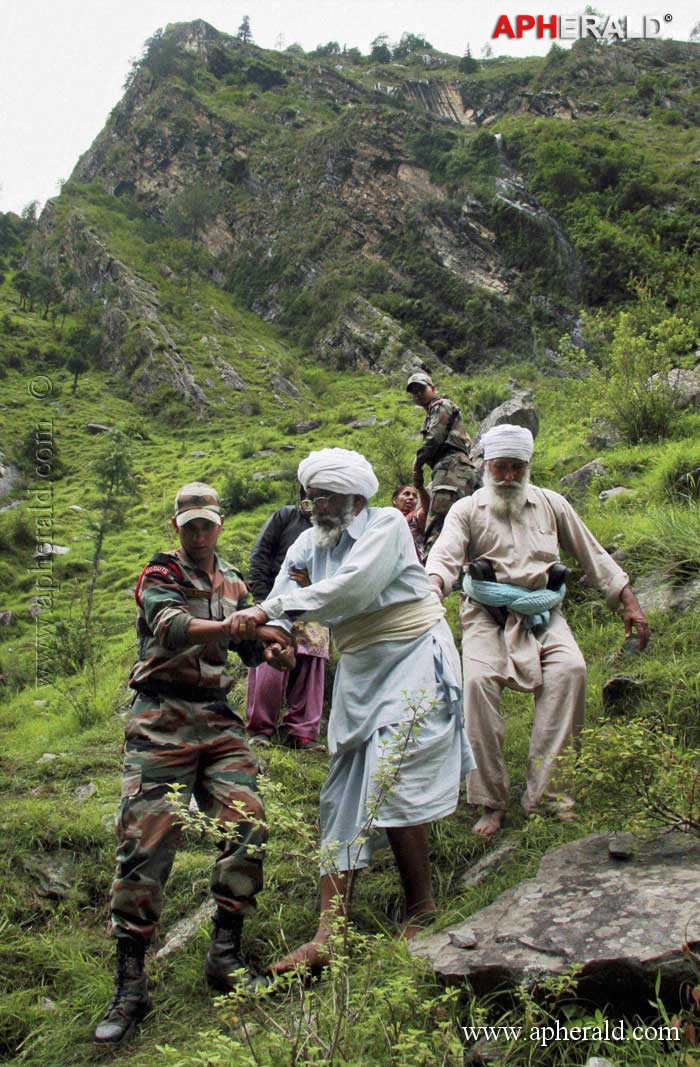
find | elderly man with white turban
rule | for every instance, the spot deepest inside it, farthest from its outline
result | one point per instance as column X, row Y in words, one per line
column 515, row 635
column 398, row 666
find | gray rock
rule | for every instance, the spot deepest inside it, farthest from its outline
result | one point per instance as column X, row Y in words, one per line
column 683, row 384
column 47, row 549
column 495, row 856
column 622, row 694
column 603, row 435
column 35, row 609
column 365, row 338
column 621, row 922
column 656, row 593
column 263, row 453
column 272, row 476
column 622, row 846
column 360, row 424
column 47, row 1004
column 39, row 703
column 230, row 377
column 464, row 938
column 7, row 618
column 599, row 1061
column 305, row 427
column 518, row 411
column 584, row 475
column 74, row 507
column 612, row 494
column 53, row 873
column 97, row 427
column 9, row 475
column 48, row 757
column 688, row 484
column 197, row 455
column 185, row 930
column 285, row 387
column 84, row 792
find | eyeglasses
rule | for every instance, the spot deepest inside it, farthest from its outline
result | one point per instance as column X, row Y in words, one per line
column 322, row 501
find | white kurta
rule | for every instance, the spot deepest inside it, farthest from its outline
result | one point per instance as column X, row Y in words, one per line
column 374, row 566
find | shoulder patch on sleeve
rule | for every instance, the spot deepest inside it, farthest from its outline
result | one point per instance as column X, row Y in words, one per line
column 161, row 566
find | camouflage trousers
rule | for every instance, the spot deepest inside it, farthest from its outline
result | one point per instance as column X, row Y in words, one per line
column 202, row 748
column 454, row 477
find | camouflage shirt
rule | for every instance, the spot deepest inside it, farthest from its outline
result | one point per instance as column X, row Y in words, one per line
column 443, row 433
column 170, row 592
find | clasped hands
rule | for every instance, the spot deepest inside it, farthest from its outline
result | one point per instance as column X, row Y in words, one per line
column 249, row 625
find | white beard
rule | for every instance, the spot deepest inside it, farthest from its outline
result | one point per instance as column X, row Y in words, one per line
column 327, row 533
column 506, row 500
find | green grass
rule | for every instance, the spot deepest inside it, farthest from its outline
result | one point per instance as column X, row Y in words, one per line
column 59, row 949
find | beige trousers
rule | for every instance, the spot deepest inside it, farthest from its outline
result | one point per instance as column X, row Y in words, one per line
column 552, row 667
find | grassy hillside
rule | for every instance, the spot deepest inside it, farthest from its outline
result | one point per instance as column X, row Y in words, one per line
column 623, row 190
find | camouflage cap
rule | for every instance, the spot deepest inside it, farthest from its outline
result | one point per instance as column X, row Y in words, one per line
column 197, row 501
column 421, row 377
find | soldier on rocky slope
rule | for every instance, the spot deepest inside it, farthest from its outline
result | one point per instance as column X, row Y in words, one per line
column 445, row 449
column 182, row 732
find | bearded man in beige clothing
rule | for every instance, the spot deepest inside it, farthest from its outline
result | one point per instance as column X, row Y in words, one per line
column 520, row 528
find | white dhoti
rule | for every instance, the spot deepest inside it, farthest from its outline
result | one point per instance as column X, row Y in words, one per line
column 551, row 666
column 355, row 807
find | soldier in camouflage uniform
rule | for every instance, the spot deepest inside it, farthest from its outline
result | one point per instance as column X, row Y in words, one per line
column 181, row 731
column 445, row 449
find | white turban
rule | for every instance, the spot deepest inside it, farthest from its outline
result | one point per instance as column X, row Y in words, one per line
column 340, row 471
column 508, row 442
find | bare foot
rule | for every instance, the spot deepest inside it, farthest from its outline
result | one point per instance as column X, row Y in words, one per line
column 310, row 958
column 490, row 822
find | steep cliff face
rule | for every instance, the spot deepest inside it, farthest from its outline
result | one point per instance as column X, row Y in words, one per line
column 335, row 199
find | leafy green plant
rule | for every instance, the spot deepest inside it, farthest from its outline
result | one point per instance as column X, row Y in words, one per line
column 633, row 389
column 634, row 775
column 241, row 493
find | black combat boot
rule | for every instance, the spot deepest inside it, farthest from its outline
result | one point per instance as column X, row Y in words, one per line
column 225, row 956
column 130, row 1002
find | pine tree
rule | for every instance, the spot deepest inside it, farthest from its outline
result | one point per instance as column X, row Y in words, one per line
column 244, row 32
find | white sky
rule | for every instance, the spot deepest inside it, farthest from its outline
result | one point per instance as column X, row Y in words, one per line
column 63, row 62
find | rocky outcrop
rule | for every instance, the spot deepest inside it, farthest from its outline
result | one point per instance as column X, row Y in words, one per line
column 582, row 477
column 518, row 411
column 9, row 476
column 365, row 338
column 655, row 592
column 621, row 921
column 683, row 385
column 136, row 342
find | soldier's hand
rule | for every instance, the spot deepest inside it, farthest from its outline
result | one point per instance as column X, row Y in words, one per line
column 243, row 624
column 418, row 477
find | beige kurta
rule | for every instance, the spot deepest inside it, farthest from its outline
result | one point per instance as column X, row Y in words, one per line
column 522, row 550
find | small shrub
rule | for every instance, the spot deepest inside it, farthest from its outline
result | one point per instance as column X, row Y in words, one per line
column 633, row 391
column 244, row 494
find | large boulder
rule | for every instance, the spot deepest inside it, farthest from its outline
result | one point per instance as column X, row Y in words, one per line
column 655, row 592
column 622, row 921
column 584, row 475
column 518, row 411
column 683, row 384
